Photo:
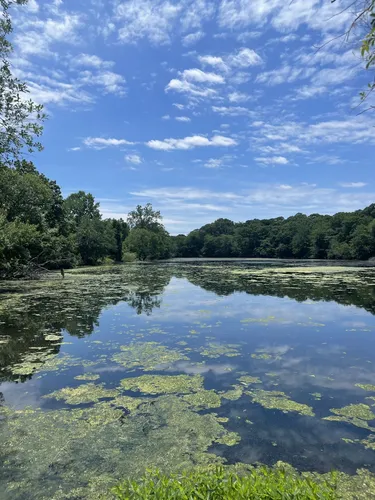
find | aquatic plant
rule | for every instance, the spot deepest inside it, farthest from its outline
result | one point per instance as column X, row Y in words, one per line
column 88, row 376
column 216, row 350
column 203, row 400
column 163, row 384
column 366, row 387
column 85, row 393
column 279, row 401
column 248, row 380
column 148, row 355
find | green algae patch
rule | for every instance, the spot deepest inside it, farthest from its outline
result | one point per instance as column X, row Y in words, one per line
column 316, row 395
column 360, row 411
column 85, row 393
column 261, row 356
column 277, row 400
column 81, row 453
column 163, row 384
column 366, row 387
column 233, row 394
column 217, row 350
column 248, row 380
column 203, row 400
column 88, row 376
column 148, row 356
column 355, row 414
column 230, row 439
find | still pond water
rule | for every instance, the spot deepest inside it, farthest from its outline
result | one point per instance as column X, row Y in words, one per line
column 175, row 365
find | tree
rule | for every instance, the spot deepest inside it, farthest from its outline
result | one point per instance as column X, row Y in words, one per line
column 81, row 205
column 95, row 240
column 121, row 230
column 145, row 218
column 148, row 244
column 20, row 119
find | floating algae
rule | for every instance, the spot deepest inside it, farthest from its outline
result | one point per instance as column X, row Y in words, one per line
column 261, row 356
column 230, row 439
column 360, row 410
column 366, row 387
column 217, row 350
column 316, row 395
column 203, row 400
column 164, row 384
column 279, row 401
column 248, row 380
column 355, row 414
column 85, row 393
column 88, row 376
column 233, row 394
column 81, row 453
column 148, row 355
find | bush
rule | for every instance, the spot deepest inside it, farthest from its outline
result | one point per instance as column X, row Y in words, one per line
column 220, row 484
column 129, row 257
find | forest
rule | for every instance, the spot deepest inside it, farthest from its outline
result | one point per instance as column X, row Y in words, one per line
column 345, row 235
column 41, row 230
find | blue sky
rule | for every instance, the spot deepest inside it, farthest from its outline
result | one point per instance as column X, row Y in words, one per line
column 205, row 108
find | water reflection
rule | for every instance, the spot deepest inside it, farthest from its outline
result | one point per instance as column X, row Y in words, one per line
column 308, row 339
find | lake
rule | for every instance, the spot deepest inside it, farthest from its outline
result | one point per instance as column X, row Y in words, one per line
column 181, row 364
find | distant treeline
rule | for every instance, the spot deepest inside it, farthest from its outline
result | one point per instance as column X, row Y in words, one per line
column 344, row 235
column 39, row 230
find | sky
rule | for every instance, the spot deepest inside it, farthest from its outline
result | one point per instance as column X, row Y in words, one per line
column 205, row 108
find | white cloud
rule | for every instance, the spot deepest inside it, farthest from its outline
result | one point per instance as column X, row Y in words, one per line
column 212, row 61
column 40, row 35
column 316, row 14
column 238, row 97
column 77, row 148
column 32, row 6
column 178, row 106
column 182, row 119
column 110, row 82
column 213, row 163
column 244, row 58
column 281, row 148
column 197, row 75
column 90, row 60
column 231, row 110
column 134, row 159
column 165, row 117
column 186, row 87
column 353, row 184
column 101, row 142
column 192, row 38
column 191, row 142
column 272, row 160
column 150, row 19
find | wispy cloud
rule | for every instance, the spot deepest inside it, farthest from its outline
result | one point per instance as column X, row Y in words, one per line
column 353, row 184
column 191, row 142
column 134, row 159
column 101, row 142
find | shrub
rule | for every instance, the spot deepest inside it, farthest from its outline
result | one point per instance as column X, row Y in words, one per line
column 129, row 257
column 220, row 484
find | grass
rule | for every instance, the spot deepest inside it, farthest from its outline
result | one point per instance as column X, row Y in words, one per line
column 220, row 484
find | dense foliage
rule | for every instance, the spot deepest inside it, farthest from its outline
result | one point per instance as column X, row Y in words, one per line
column 341, row 236
column 218, row 484
column 40, row 230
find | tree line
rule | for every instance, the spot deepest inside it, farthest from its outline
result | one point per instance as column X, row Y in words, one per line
column 345, row 235
column 39, row 229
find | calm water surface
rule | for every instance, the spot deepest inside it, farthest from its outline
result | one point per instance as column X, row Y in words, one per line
column 306, row 339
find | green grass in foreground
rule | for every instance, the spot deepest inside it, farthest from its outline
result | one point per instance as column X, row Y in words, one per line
column 218, row 484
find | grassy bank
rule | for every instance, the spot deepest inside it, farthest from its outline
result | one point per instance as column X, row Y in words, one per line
column 219, row 483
